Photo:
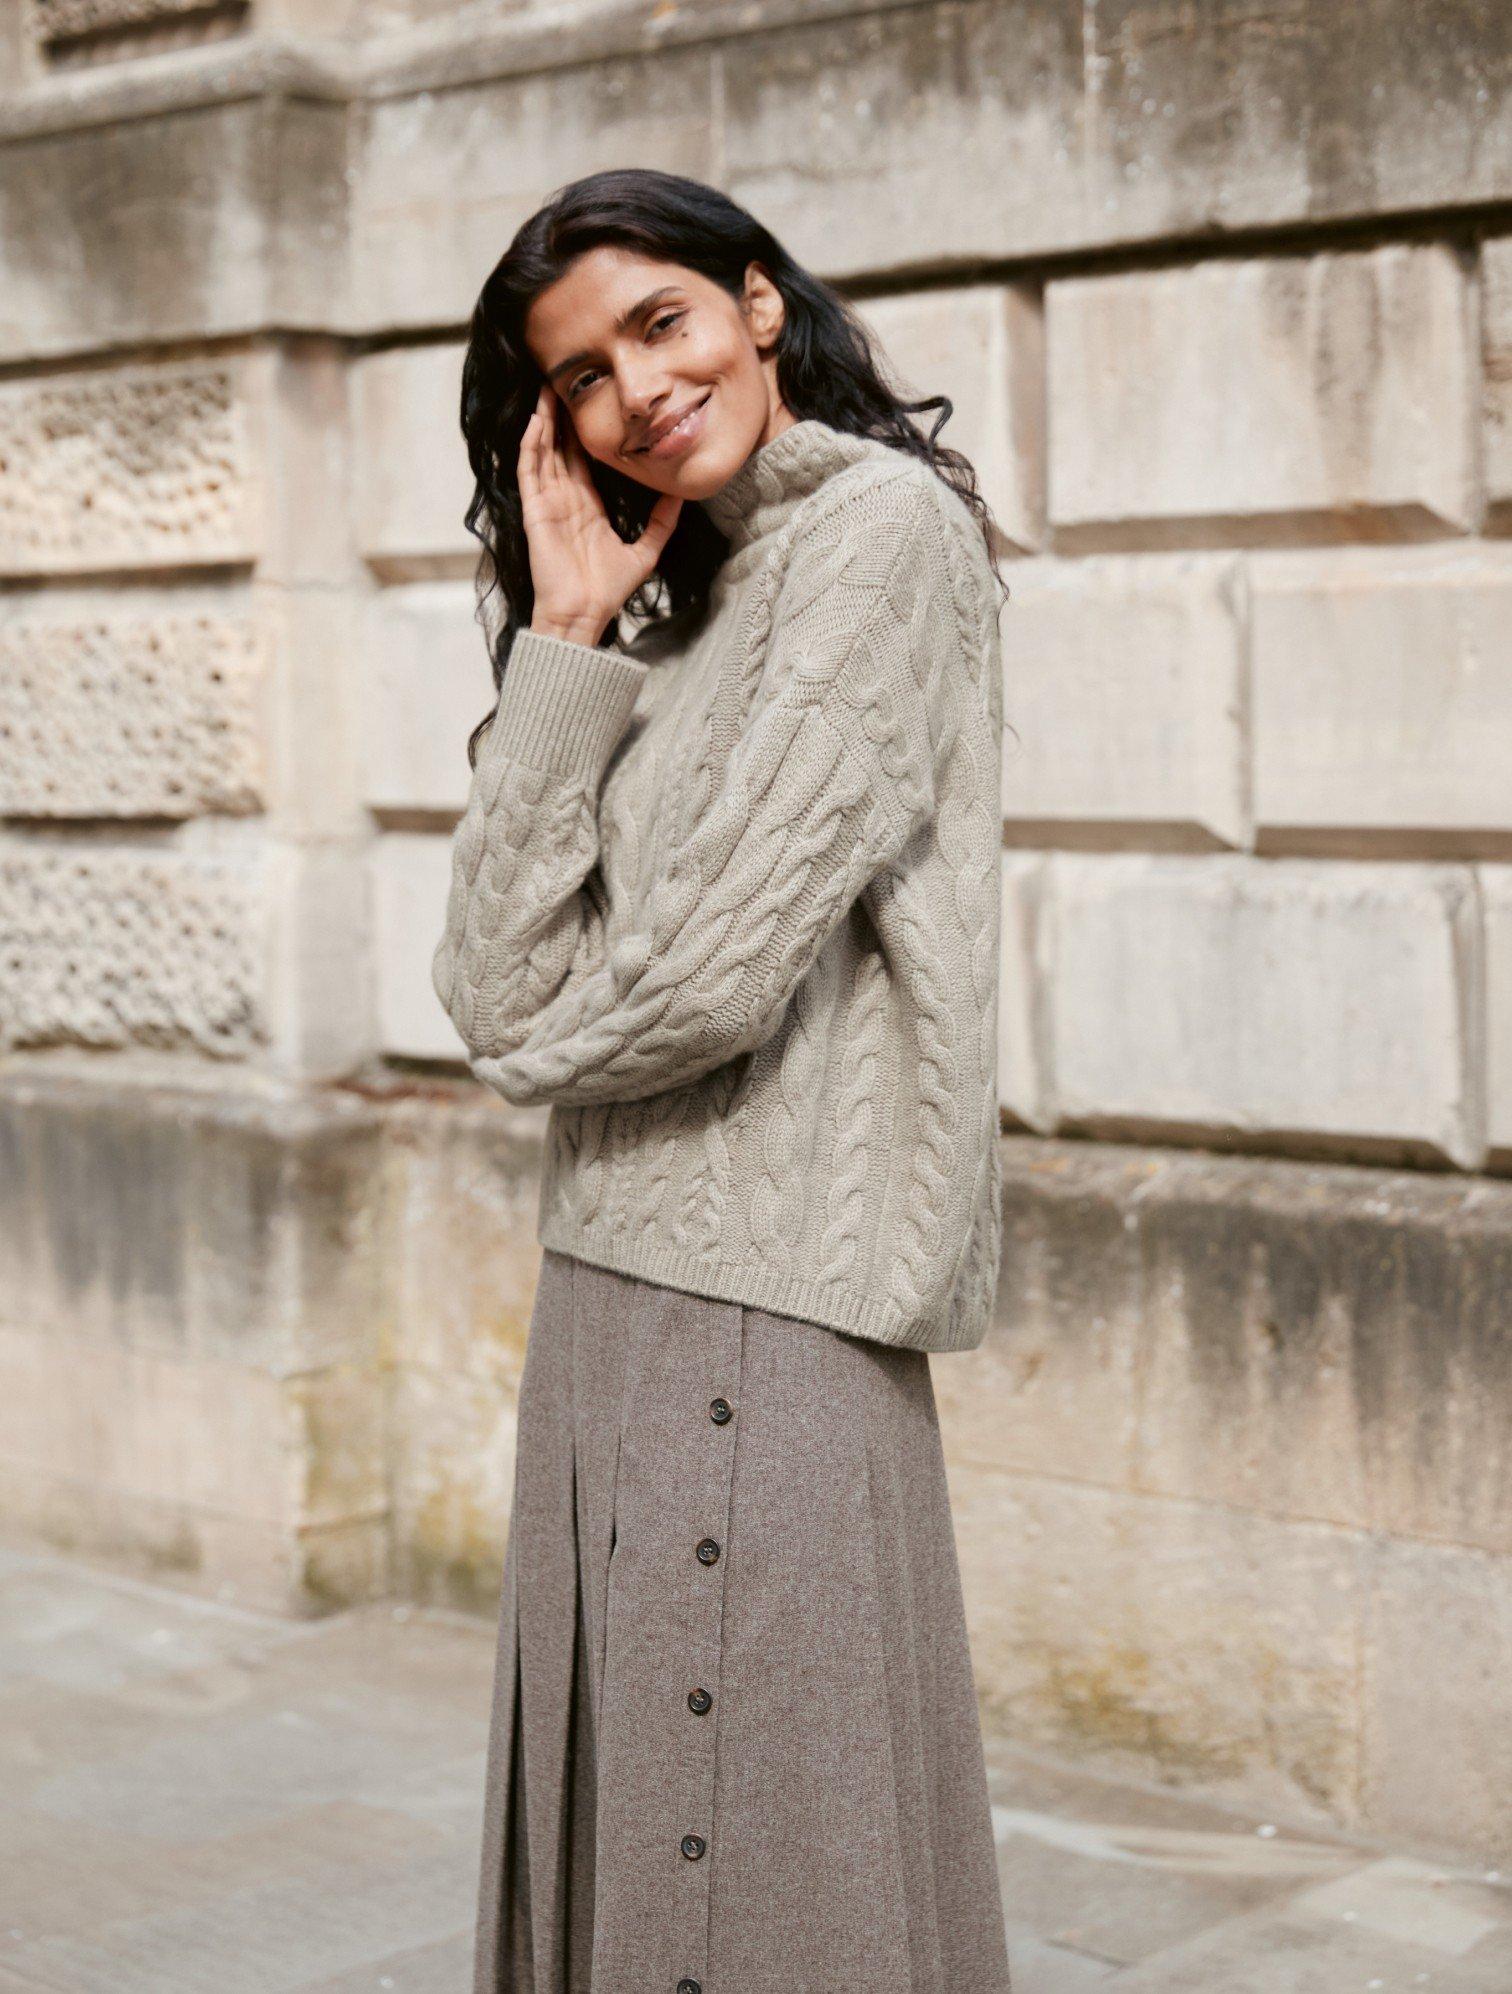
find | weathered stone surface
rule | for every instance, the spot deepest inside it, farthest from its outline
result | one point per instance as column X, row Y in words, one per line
column 1213, row 1646
column 1120, row 123
column 1331, row 1344
column 464, row 1255
column 66, row 20
column 982, row 345
column 1214, row 116
column 129, row 467
column 851, row 138
column 452, row 1486
column 1324, row 397
column 1496, row 320
column 106, row 712
column 1124, row 680
column 445, row 177
column 1496, row 902
column 191, row 1328
column 1437, row 1758
column 247, row 1230
column 213, row 218
column 110, row 946
column 1383, row 692
column 1022, row 1068
column 1055, row 1389
column 413, row 478
column 1276, row 997
column 428, row 685
column 411, row 875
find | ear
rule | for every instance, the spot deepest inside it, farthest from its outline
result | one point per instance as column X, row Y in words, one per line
column 764, row 308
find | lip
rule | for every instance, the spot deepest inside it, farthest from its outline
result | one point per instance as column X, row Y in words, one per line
column 684, row 430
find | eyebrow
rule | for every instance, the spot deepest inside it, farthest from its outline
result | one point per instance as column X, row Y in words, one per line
column 622, row 324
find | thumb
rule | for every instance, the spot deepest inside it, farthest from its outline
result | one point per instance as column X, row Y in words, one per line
column 657, row 530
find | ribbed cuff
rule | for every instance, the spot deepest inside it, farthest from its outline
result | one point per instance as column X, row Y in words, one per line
column 563, row 705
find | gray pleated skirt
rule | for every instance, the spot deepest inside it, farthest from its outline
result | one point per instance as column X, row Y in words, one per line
column 734, row 1743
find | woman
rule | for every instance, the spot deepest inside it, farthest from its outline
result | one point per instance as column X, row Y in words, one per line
column 725, row 896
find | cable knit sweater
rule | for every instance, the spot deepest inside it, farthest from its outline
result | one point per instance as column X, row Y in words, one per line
column 727, row 898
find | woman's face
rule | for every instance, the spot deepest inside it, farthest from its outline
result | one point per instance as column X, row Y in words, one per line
column 630, row 344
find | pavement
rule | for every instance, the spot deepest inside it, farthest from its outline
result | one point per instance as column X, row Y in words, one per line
column 202, row 1800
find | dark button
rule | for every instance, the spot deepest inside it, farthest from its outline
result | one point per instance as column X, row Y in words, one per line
column 708, row 1551
column 719, row 1411
column 693, row 1846
column 699, row 1700
column 688, row 1987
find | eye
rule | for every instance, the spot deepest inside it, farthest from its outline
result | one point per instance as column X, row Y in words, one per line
column 661, row 319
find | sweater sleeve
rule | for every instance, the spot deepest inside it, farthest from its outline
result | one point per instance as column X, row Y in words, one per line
column 829, row 779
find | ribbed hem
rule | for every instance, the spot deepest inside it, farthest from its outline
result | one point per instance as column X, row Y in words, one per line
column 873, row 1317
column 563, row 705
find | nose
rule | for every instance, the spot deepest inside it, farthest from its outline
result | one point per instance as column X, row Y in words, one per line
column 642, row 394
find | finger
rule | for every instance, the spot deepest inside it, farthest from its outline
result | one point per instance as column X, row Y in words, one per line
column 577, row 462
column 528, row 462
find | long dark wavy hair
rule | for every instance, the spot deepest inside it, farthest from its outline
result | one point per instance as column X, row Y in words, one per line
column 828, row 365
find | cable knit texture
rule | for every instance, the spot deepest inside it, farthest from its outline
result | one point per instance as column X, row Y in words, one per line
column 728, row 900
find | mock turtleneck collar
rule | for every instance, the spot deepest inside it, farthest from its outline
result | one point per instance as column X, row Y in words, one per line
column 757, row 498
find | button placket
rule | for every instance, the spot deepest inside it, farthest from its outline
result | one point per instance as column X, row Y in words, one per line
column 712, row 1463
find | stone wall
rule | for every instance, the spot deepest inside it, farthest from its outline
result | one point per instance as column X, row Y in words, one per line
column 1224, row 302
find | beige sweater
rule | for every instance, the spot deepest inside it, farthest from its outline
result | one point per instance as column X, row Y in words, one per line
column 728, row 901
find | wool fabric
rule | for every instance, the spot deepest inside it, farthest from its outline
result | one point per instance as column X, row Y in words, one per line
column 726, row 898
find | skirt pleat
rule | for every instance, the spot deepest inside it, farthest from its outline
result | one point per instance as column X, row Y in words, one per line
column 734, row 1744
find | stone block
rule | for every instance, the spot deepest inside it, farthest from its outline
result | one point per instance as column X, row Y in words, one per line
column 1267, row 399
column 429, row 686
column 246, row 1230
column 916, row 138
column 1022, row 1074
column 1267, row 999
column 1329, row 1343
column 453, row 1487
column 1496, row 901
column 191, row 1333
column 223, row 213
column 117, row 946
column 1196, row 1643
column 462, row 1237
column 1124, row 680
column 1383, row 692
column 411, row 877
column 1437, row 1747
column 1496, row 409
column 126, row 467
column 321, row 1009
column 107, row 711
column 1207, row 119
column 413, row 477
column 1055, row 1387
column 983, row 346
column 444, row 177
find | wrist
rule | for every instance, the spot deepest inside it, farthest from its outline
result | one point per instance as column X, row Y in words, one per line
column 574, row 629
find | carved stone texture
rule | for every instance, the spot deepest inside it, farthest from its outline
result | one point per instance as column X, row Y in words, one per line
column 130, row 717
column 138, row 467
column 73, row 20
column 116, row 948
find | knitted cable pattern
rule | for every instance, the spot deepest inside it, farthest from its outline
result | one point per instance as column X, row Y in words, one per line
column 739, row 928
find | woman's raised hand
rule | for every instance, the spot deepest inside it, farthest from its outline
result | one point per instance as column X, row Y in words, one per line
column 581, row 570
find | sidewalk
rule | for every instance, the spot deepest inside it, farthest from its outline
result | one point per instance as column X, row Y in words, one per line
column 199, row 1800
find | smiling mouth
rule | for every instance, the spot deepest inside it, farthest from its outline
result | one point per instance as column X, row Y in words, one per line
column 692, row 409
